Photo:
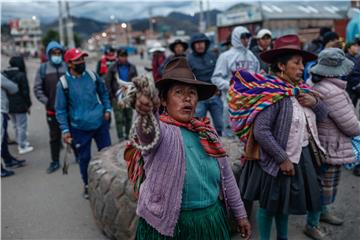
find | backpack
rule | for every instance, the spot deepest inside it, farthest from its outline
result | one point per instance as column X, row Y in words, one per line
column 65, row 86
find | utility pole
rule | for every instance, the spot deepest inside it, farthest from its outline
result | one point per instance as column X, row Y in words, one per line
column 208, row 14
column 61, row 23
column 69, row 27
column 202, row 26
column 151, row 26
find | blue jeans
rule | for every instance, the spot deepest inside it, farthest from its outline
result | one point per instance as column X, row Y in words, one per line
column 82, row 142
column 216, row 108
column 19, row 121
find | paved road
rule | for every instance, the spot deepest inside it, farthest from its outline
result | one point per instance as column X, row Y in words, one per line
column 36, row 205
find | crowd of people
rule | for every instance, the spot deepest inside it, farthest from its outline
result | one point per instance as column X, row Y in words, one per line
column 292, row 105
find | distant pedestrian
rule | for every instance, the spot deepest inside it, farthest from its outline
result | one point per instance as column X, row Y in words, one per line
column 119, row 75
column 83, row 110
column 7, row 88
column 202, row 63
column 19, row 103
column 158, row 58
column 107, row 59
column 178, row 48
column 46, row 80
column 263, row 39
column 353, row 79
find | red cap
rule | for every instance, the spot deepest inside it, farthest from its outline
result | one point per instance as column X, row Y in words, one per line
column 73, row 54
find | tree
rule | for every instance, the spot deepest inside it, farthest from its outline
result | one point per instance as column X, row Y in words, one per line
column 51, row 35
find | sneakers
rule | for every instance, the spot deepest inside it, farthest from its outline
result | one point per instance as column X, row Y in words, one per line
column 25, row 149
column 6, row 173
column 331, row 219
column 15, row 163
column 54, row 165
column 314, row 232
column 86, row 192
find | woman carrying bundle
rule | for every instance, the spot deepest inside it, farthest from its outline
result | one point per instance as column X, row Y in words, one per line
column 276, row 118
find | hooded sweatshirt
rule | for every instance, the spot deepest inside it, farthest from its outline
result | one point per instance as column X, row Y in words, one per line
column 19, row 102
column 202, row 65
column 236, row 58
column 45, row 84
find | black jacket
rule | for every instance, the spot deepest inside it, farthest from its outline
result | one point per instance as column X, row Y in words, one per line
column 20, row 102
column 202, row 65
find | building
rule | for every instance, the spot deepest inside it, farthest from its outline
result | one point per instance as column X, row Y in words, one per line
column 302, row 18
column 26, row 34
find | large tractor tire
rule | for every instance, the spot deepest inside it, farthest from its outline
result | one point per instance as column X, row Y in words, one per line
column 112, row 198
column 111, row 194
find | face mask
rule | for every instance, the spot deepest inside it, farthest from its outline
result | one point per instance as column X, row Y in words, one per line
column 56, row 59
column 79, row 68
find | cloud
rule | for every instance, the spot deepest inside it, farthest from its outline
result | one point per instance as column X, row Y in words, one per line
column 102, row 10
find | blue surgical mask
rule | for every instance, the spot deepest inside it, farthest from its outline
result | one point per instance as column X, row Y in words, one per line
column 56, row 59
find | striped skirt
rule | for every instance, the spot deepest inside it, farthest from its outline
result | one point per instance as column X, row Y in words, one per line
column 329, row 180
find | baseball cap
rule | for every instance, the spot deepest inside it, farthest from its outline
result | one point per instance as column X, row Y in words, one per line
column 263, row 32
column 73, row 54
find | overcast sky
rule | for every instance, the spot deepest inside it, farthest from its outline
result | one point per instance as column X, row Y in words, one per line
column 102, row 10
column 47, row 10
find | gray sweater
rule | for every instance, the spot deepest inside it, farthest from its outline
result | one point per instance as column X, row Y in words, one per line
column 271, row 131
column 7, row 87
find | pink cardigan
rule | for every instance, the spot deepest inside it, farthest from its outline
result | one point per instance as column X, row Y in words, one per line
column 335, row 132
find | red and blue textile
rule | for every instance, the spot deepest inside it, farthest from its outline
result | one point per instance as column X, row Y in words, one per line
column 250, row 93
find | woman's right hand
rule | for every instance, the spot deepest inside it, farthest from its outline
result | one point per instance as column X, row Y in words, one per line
column 145, row 104
column 287, row 168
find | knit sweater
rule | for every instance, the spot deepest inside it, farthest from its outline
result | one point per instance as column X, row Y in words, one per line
column 160, row 194
column 271, row 131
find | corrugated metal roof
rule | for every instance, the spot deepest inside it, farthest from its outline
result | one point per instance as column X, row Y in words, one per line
column 298, row 10
column 303, row 10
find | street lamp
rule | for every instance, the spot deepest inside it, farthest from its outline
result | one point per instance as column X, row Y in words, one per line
column 124, row 26
column 33, row 18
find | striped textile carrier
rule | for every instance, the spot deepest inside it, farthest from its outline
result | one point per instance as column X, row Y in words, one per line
column 250, row 93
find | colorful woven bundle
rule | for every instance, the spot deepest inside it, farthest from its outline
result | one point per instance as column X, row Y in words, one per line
column 251, row 93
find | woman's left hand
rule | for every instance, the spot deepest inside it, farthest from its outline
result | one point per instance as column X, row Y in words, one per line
column 245, row 228
column 307, row 100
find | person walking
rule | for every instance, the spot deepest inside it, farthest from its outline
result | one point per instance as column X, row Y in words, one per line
column 189, row 187
column 335, row 133
column 353, row 79
column 118, row 77
column 7, row 88
column 276, row 118
column 202, row 63
column 178, row 48
column 107, row 59
column 83, row 110
column 46, row 79
column 236, row 58
column 263, row 40
column 158, row 58
column 19, row 103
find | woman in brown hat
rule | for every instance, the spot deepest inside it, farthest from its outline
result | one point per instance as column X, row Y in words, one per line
column 187, row 170
column 284, row 178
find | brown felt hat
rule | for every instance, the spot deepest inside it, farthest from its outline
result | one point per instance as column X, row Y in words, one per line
column 288, row 44
column 178, row 70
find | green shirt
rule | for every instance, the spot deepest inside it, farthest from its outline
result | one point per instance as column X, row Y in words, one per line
column 202, row 174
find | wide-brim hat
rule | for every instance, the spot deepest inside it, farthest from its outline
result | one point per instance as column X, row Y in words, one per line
column 286, row 45
column 178, row 70
column 176, row 42
column 332, row 62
